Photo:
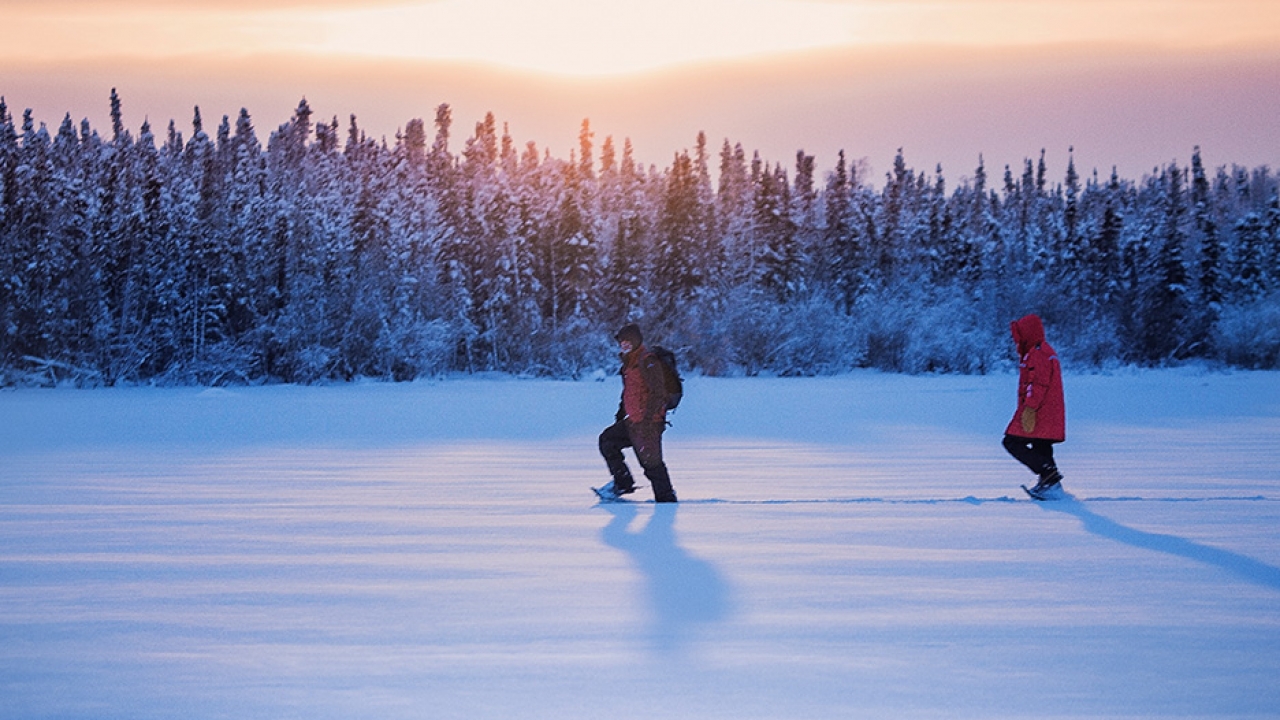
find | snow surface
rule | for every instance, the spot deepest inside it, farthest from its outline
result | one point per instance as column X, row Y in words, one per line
column 845, row 547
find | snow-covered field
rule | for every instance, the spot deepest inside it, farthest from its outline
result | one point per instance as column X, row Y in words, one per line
column 845, row 547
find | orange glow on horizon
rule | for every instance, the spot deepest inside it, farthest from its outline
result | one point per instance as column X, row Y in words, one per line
column 1127, row 83
column 596, row 38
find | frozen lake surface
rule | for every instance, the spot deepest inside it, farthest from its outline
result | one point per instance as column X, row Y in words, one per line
column 845, row 547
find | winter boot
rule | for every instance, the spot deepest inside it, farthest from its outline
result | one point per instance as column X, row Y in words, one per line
column 622, row 484
column 661, row 482
column 609, row 492
column 612, row 490
column 1050, row 479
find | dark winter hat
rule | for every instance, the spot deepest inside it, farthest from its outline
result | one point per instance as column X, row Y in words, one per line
column 630, row 332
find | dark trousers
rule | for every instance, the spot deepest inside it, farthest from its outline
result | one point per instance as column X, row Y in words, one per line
column 1036, row 454
column 646, row 440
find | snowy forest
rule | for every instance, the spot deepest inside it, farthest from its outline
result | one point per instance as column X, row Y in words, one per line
column 329, row 255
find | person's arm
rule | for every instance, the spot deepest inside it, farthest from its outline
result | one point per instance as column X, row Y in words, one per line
column 1040, row 373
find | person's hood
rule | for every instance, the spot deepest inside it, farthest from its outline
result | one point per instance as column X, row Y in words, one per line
column 1028, row 332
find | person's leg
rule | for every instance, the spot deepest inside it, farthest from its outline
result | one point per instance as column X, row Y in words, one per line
column 1037, row 455
column 1049, row 475
column 1044, row 449
column 1030, row 452
column 647, row 440
column 612, row 440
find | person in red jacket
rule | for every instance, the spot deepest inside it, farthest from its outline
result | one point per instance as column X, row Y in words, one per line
column 1040, row 420
column 641, row 418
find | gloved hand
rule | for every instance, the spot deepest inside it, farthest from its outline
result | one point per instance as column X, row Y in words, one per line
column 1028, row 420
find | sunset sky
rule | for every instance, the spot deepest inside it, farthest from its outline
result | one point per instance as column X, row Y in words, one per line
column 1132, row 83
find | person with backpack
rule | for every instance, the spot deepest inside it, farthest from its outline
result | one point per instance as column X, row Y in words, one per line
column 1040, row 419
column 641, row 419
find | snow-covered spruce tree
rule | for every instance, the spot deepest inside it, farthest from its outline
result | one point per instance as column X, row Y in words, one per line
column 1162, row 301
column 677, row 275
column 33, row 263
column 960, row 259
column 626, row 271
column 301, row 347
column 842, row 255
column 938, row 233
column 67, row 275
column 806, row 218
column 472, row 206
column 773, row 238
column 249, row 210
column 732, row 209
column 892, row 216
column 1254, row 240
column 158, row 271
column 9, row 271
column 1205, row 244
column 212, row 260
column 573, row 272
column 455, row 300
column 119, row 253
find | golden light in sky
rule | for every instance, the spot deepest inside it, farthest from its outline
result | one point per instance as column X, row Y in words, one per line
column 608, row 37
column 604, row 37
column 1131, row 83
column 584, row 37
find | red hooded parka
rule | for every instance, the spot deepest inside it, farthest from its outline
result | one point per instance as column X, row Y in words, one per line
column 1039, row 383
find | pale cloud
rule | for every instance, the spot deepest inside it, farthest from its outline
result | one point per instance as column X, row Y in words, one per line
column 607, row 37
column 1131, row 83
column 1187, row 23
column 604, row 37
column 587, row 37
column 126, row 6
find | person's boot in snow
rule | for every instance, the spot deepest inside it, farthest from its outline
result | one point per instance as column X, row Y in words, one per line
column 1049, row 479
column 613, row 489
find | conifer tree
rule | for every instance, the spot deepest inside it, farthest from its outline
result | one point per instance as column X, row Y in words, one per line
column 1164, row 299
column 841, row 252
column 676, row 278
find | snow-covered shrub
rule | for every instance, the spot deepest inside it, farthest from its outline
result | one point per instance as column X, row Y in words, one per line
column 752, row 332
column 573, row 349
column 927, row 332
column 42, row 372
column 805, row 337
column 308, row 363
column 418, row 349
column 1248, row 335
column 224, row 363
column 1086, row 341
column 952, row 334
column 819, row 340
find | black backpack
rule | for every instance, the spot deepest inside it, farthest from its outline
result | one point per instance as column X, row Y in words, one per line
column 671, row 375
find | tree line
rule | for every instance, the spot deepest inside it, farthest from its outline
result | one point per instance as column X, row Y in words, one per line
column 327, row 254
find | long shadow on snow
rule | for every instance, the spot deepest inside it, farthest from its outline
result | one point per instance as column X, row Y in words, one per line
column 684, row 592
column 968, row 500
column 1240, row 565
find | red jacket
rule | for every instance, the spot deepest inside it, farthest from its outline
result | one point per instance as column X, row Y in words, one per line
column 644, row 393
column 1039, row 383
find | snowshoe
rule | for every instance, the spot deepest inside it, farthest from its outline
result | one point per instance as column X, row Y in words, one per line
column 1049, row 487
column 1045, row 491
column 609, row 492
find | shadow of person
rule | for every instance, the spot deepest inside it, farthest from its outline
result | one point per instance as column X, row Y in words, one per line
column 684, row 592
column 1241, row 566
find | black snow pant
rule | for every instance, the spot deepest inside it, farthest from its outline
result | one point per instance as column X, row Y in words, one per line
column 646, row 440
column 1035, row 453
